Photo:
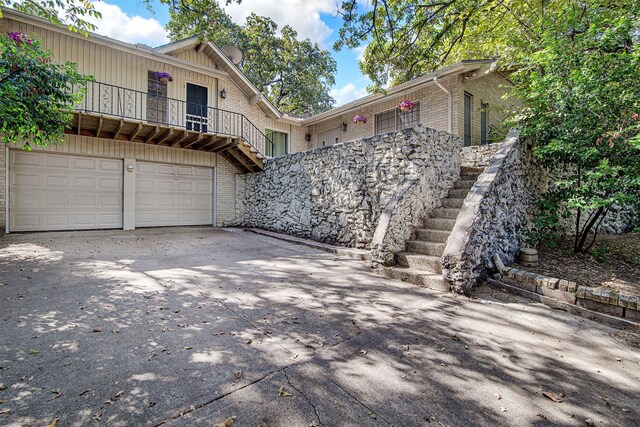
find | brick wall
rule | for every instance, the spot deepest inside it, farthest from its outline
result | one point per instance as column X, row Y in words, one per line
column 489, row 89
column 225, row 191
column 433, row 113
column 434, row 109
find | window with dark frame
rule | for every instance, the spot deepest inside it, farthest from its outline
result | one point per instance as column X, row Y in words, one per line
column 483, row 122
column 396, row 119
column 156, row 99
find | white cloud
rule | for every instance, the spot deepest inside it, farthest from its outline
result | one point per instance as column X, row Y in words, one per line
column 132, row 29
column 302, row 15
column 359, row 51
column 347, row 93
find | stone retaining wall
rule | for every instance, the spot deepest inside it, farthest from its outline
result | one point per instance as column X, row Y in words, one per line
column 491, row 219
column 479, row 155
column 597, row 299
column 336, row 194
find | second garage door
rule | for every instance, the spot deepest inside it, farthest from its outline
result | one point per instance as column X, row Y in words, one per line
column 168, row 195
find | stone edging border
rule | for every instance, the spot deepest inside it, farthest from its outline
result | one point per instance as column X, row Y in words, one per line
column 604, row 301
column 358, row 254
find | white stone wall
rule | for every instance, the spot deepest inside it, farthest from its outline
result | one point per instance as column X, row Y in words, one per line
column 336, row 194
column 491, row 220
column 478, row 155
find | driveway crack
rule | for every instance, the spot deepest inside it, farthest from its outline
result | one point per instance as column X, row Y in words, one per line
column 378, row 416
column 193, row 408
column 315, row 411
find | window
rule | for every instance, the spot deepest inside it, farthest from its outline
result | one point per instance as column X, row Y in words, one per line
column 468, row 102
column 393, row 120
column 483, row 122
column 156, row 99
column 279, row 143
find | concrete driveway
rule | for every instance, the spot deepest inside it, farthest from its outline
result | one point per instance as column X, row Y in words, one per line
column 191, row 326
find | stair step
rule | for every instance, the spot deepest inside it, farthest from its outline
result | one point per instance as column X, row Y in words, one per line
column 424, row 279
column 464, row 184
column 439, row 224
column 458, row 193
column 425, row 248
column 452, row 203
column 449, row 213
column 471, row 170
column 260, row 156
column 469, row 176
column 427, row 235
column 432, row 264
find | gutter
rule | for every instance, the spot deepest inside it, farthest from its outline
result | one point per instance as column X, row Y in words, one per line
column 449, row 101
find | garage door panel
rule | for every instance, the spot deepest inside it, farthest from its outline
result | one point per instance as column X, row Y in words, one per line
column 57, row 181
column 64, row 192
column 111, row 184
column 56, row 200
column 26, row 180
column 173, row 195
column 26, row 159
column 56, row 161
column 111, row 165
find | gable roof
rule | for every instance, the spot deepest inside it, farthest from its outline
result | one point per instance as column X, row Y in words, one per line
column 430, row 78
column 218, row 57
column 136, row 49
column 165, row 53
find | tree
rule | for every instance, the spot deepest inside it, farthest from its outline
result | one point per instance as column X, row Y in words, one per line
column 576, row 65
column 36, row 93
column 583, row 112
column 69, row 13
column 295, row 75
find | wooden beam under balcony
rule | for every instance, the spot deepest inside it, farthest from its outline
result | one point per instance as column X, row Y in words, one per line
column 238, row 152
column 164, row 137
column 118, row 129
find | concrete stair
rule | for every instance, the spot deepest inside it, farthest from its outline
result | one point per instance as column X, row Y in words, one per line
column 421, row 263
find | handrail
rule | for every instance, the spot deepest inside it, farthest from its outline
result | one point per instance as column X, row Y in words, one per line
column 103, row 98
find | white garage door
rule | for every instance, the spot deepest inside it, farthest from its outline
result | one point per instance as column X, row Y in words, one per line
column 63, row 192
column 173, row 195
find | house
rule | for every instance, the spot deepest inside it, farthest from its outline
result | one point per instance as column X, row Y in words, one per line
column 465, row 99
column 144, row 152
column 141, row 152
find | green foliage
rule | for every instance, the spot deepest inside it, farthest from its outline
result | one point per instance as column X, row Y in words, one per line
column 546, row 225
column 295, row 75
column 577, row 67
column 36, row 93
column 408, row 38
column 67, row 13
column 583, row 109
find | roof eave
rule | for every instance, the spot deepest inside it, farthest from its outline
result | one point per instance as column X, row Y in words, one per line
column 450, row 70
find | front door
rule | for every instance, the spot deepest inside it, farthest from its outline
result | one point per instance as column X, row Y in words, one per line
column 197, row 107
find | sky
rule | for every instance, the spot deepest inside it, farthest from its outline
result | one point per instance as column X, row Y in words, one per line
column 131, row 21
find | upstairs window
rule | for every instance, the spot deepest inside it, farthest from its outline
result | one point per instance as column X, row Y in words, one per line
column 393, row 120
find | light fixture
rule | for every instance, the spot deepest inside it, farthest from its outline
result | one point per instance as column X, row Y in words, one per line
column 344, row 126
column 307, row 137
column 223, row 93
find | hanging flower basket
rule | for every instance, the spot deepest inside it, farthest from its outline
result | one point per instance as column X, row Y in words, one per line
column 360, row 120
column 163, row 77
column 406, row 105
column 20, row 38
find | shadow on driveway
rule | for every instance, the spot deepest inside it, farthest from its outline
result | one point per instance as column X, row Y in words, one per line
column 190, row 326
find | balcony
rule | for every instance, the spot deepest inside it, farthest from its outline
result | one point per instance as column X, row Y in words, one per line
column 114, row 112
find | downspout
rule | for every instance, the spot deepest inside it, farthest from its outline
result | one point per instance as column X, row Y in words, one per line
column 449, row 102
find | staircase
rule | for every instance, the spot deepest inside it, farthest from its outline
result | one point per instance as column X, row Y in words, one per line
column 421, row 263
